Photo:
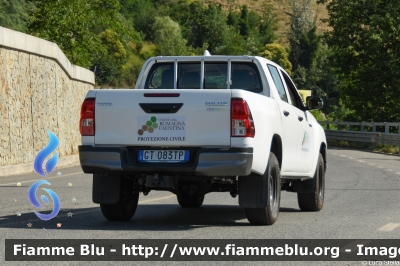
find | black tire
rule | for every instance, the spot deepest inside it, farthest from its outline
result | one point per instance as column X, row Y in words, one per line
column 125, row 209
column 314, row 201
column 269, row 214
column 190, row 202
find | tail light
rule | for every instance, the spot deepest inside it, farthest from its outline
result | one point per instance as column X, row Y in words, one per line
column 242, row 120
column 86, row 123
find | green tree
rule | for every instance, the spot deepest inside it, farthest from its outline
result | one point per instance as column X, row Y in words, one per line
column 277, row 53
column 244, row 21
column 189, row 16
column 168, row 37
column 323, row 80
column 268, row 25
column 214, row 28
column 301, row 32
column 341, row 112
column 366, row 46
column 233, row 19
column 75, row 26
column 304, row 56
column 308, row 44
column 15, row 14
column 204, row 27
column 110, row 60
column 140, row 14
column 235, row 45
column 210, row 27
column 309, row 65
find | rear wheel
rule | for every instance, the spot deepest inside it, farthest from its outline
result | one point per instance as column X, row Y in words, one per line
column 190, row 202
column 125, row 208
column 268, row 214
column 314, row 201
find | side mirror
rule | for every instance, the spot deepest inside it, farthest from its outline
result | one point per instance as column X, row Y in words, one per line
column 314, row 103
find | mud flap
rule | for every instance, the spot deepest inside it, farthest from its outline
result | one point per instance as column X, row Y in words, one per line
column 305, row 186
column 106, row 188
column 253, row 191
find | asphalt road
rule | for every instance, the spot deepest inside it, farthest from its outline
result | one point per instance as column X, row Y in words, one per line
column 361, row 201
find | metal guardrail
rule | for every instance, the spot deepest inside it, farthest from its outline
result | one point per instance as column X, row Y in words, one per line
column 367, row 132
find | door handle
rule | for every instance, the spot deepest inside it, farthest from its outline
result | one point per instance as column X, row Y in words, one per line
column 286, row 113
column 300, row 118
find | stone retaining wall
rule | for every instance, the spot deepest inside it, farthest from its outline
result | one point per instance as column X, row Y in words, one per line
column 39, row 91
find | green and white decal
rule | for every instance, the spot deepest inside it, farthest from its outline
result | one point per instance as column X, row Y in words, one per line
column 305, row 144
column 161, row 128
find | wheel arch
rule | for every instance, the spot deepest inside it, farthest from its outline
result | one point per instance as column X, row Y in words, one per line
column 276, row 148
column 323, row 151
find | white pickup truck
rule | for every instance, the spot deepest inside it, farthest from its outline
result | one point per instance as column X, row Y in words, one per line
column 200, row 124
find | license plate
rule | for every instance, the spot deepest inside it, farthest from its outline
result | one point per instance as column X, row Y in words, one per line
column 164, row 156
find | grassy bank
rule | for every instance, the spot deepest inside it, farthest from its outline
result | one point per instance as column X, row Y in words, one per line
column 376, row 147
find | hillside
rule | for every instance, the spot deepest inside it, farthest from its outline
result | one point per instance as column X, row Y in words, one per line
column 281, row 9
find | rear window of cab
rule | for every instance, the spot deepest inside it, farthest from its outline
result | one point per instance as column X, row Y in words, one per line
column 243, row 76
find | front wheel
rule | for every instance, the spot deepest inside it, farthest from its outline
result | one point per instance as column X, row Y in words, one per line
column 314, row 201
column 268, row 214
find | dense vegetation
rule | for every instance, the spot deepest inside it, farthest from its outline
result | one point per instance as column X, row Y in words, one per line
column 365, row 43
column 358, row 57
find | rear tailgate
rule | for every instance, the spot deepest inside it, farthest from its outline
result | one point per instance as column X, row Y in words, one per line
column 148, row 118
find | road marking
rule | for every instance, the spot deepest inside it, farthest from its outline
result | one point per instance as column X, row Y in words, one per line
column 390, row 170
column 361, row 161
column 379, row 166
column 398, row 173
column 389, row 227
column 343, row 155
column 371, row 163
column 351, row 158
column 28, row 181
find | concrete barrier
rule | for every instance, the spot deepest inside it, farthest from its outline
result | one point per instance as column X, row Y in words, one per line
column 40, row 90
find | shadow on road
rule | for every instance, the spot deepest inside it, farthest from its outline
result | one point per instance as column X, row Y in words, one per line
column 289, row 210
column 148, row 217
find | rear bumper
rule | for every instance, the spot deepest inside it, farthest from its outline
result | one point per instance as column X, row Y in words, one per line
column 203, row 161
